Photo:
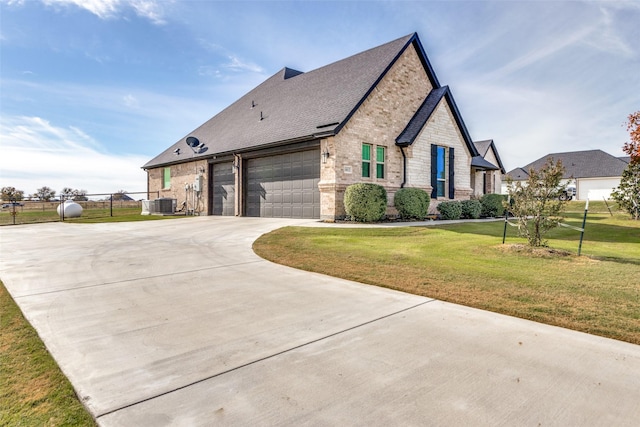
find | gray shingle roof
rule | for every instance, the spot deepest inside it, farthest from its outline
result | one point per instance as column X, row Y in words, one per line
column 291, row 105
column 483, row 148
column 417, row 122
column 579, row 164
column 518, row 174
column 482, row 163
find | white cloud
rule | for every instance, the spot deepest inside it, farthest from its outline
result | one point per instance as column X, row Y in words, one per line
column 237, row 64
column 149, row 9
column 109, row 9
column 37, row 153
column 130, row 101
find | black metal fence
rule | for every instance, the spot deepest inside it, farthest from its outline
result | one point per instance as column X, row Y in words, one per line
column 96, row 206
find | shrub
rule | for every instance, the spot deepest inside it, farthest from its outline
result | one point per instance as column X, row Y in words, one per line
column 365, row 202
column 492, row 205
column 412, row 203
column 450, row 210
column 471, row 209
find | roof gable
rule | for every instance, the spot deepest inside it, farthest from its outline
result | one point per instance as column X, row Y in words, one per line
column 295, row 106
column 483, row 148
column 421, row 117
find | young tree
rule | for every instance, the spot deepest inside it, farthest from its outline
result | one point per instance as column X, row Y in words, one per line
column 627, row 194
column 536, row 203
column 44, row 193
column 11, row 193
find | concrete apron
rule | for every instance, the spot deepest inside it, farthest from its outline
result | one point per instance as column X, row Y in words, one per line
column 179, row 323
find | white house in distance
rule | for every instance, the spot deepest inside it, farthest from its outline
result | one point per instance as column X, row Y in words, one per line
column 594, row 172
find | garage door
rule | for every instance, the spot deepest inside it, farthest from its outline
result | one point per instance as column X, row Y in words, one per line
column 223, row 190
column 284, row 186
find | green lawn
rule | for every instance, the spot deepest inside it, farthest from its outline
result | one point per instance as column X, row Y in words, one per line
column 95, row 215
column 33, row 390
column 598, row 292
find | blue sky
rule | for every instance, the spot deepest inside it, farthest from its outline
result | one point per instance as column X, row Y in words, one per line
column 90, row 90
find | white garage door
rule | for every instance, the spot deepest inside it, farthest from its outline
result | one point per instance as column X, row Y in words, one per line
column 596, row 189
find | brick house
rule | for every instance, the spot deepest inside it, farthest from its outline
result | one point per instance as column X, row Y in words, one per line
column 291, row 146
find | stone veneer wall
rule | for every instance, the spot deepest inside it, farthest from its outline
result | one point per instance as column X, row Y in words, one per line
column 496, row 176
column 181, row 174
column 441, row 129
column 378, row 121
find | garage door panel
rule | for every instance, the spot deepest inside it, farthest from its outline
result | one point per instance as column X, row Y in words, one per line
column 284, row 185
column 223, row 189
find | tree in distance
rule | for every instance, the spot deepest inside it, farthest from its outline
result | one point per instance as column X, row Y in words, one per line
column 627, row 194
column 44, row 193
column 11, row 193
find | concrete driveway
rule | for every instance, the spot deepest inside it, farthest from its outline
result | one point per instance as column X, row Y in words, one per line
column 180, row 323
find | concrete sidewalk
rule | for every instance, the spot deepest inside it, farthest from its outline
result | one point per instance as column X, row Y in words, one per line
column 180, row 323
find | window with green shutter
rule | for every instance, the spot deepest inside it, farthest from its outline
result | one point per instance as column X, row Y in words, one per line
column 366, row 160
column 166, row 178
column 379, row 162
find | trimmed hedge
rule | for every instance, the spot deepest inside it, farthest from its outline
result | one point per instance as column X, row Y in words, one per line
column 450, row 210
column 471, row 209
column 492, row 205
column 412, row 203
column 365, row 202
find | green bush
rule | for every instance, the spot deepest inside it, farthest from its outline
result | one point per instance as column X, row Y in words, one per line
column 471, row 209
column 412, row 203
column 450, row 210
column 492, row 205
column 365, row 202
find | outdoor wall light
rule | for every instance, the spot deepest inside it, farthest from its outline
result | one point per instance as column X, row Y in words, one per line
column 325, row 155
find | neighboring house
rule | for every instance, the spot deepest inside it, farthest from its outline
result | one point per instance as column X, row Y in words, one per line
column 291, row 146
column 594, row 172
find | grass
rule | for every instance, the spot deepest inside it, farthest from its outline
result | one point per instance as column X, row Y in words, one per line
column 95, row 215
column 597, row 293
column 33, row 390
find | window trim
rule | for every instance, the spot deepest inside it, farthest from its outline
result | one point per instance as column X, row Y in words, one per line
column 366, row 162
column 166, row 178
column 380, row 169
column 449, row 172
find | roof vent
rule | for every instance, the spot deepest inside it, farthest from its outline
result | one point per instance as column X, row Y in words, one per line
column 253, row 103
column 327, row 125
column 261, row 116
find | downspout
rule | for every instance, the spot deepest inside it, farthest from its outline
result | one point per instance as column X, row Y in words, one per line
column 404, row 168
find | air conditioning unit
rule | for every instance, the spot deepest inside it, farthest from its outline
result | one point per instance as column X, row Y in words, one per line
column 164, row 206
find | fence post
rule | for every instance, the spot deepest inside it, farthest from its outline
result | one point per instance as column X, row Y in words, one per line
column 584, row 221
column 506, row 218
column 111, row 204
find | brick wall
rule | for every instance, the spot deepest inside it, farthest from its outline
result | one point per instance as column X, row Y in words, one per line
column 181, row 174
column 378, row 121
column 441, row 129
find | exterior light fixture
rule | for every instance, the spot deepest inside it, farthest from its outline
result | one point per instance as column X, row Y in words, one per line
column 325, row 155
